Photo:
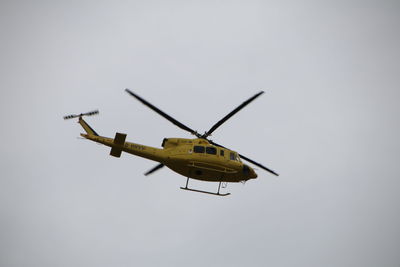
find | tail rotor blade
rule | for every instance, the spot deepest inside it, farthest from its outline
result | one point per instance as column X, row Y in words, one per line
column 70, row 116
column 90, row 113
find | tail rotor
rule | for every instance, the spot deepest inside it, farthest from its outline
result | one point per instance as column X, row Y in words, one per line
column 90, row 113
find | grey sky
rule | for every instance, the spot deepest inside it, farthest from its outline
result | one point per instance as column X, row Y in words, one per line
column 328, row 123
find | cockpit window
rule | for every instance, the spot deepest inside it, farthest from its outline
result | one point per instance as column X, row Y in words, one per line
column 211, row 150
column 198, row 149
column 234, row 156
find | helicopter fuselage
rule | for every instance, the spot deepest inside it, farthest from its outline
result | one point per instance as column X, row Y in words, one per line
column 193, row 158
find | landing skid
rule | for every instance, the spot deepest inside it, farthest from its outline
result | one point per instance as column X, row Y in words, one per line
column 205, row 192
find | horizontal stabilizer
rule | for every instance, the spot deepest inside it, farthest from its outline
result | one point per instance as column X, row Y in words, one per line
column 116, row 152
column 119, row 142
column 119, row 139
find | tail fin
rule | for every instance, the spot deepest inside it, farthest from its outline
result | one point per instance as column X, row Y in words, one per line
column 86, row 127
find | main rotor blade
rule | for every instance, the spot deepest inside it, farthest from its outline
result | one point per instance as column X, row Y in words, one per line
column 258, row 164
column 215, row 144
column 247, row 159
column 159, row 166
column 224, row 119
column 162, row 113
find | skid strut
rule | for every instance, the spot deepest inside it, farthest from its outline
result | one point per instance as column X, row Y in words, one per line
column 205, row 192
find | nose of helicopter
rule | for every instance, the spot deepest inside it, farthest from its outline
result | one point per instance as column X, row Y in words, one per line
column 252, row 174
column 249, row 172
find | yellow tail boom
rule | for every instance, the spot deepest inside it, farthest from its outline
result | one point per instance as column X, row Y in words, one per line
column 118, row 144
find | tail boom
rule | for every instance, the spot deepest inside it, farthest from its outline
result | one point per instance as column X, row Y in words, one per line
column 118, row 145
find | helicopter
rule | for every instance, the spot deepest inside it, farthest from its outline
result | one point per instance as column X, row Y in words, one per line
column 197, row 158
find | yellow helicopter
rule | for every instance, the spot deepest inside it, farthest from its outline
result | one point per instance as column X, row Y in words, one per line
column 199, row 158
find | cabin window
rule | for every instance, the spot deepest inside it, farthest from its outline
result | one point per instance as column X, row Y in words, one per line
column 232, row 156
column 211, row 150
column 198, row 149
column 221, row 152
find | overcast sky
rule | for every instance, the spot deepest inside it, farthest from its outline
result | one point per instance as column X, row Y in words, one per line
column 328, row 123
